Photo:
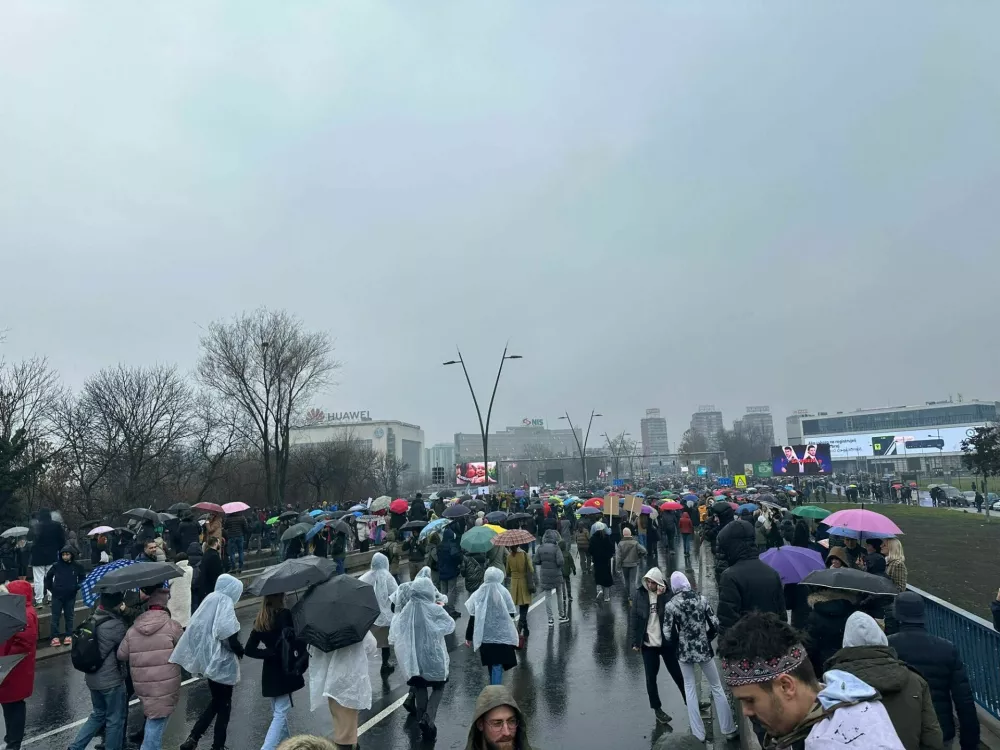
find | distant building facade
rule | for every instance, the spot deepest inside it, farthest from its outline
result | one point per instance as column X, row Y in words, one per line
column 519, row 441
column 655, row 441
column 707, row 422
column 758, row 422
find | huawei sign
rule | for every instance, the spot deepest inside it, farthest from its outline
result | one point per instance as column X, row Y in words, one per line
column 314, row 415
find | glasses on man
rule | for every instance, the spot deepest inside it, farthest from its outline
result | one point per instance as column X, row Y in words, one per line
column 497, row 724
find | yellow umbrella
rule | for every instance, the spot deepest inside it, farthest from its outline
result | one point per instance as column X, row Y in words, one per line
column 493, row 527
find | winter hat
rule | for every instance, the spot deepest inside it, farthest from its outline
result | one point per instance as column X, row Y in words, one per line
column 679, row 582
column 626, row 532
column 910, row 608
column 862, row 630
column 480, row 514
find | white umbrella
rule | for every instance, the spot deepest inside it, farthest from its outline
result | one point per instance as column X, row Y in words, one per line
column 14, row 531
column 380, row 503
column 235, row 507
column 100, row 530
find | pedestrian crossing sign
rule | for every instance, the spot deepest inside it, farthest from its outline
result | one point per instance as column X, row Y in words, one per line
column 740, row 480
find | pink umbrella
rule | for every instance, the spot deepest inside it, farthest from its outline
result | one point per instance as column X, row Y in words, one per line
column 862, row 521
column 734, row 506
column 100, row 530
column 235, row 507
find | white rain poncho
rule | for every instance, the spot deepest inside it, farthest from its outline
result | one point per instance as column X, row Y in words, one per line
column 492, row 606
column 418, row 634
column 385, row 586
column 342, row 675
column 425, row 572
column 200, row 650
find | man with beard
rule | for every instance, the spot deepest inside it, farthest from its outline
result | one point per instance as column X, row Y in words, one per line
column 498, row 723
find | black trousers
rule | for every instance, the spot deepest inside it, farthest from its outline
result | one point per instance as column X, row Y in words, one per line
column 219, row 709
column 522, row 620
column 14, row 717
column 651, row 666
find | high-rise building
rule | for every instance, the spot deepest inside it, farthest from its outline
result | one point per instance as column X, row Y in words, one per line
column 654, row 436
column 707, row 422
column 757, row 423
column 441, row 455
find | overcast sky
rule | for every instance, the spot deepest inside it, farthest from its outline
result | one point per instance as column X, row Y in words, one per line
column 659, row 203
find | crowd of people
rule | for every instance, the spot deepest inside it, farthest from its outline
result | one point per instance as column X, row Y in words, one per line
column 811, row 666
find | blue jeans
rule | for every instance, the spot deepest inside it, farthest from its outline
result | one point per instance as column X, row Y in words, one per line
column 236, row 543
column 686, row 539
column 62, row 609
column 152, row 738
column 340, row 565
column 109, row 707
column 278, row 731
column 496, row 674
column 642, row 539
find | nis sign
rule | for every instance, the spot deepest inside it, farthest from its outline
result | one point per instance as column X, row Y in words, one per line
column 316, row 416
column 528, row 422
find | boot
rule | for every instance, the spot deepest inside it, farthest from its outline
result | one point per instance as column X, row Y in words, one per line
column 661, row 716
column 408, row 704
column 428, row 730
column 189, row 744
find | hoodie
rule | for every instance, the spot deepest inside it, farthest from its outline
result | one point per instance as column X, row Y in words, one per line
column 64, row 578
column 549, row 561
column 907, row 698
column 747, row 584
column 494, row 696
column 48, row 540
column 146, row 648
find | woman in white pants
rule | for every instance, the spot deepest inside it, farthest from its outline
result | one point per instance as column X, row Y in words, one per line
column 689, row 618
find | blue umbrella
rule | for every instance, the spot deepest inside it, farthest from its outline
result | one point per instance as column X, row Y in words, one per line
column 640, row 494
column 852, row 534
column 748, row 508
column 433, row 526
column 359, row 506
column 315, row 530
column 317, row 512
column 690, row 496
column 589, row 510
column 569, row 501
column 87, row 587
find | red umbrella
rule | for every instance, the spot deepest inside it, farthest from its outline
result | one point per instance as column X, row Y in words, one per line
column 210, row 508
column 399, row 506
column 671, row 505
column 734, row 506
column 513, row 538
column 594, row 502
column 546, row 508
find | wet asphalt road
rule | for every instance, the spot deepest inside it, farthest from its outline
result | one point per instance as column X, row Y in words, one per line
column 579, row 685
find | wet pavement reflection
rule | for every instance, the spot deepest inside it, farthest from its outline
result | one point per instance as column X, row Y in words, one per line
column 579, row 685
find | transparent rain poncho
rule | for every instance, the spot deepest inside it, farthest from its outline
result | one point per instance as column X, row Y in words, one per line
column 425, row 572
column 492, row 606
column 418, row 634
column 342, row 675
column 200, row 650
column 385, row 586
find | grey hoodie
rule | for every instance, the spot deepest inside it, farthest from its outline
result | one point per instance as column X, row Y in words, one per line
column 549, row 561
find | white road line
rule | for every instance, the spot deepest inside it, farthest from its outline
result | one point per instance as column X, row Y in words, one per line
column 81, row 722
column 387, row 711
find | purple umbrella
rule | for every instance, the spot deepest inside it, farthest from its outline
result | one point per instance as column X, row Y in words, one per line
column 793, row 563
column 646, row 510
column 519, row 494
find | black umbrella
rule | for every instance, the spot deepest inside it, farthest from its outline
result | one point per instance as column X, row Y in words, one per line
column 519, row 517
column 497, row 516
column 288, row 515
column 13, row 617
column 339, row 527
column 536, row 506
column 164, row 517
column 585, row 495
column 292, row 575
column 849, row 579
column 475, row 504
column 338, row 514
column 446, row 493
column 143, row 514
column 456, row 511
column 178, row 507
column 298, row 529
column 336, row 613
column 7, row 663
column 89, row 524
column 306, row 518
column 413, row 526
column 137, row 576
column 123, row 530
column 721, row 507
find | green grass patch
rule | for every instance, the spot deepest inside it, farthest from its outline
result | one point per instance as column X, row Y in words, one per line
column 949, row 553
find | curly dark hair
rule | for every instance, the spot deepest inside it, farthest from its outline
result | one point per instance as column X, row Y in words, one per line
column 765, row 636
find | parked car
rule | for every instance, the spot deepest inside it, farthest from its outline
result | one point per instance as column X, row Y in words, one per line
column 970, row 498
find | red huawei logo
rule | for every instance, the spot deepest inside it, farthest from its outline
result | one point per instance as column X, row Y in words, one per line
column 314, row 415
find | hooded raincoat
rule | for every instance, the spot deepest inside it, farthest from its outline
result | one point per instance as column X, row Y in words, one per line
column 493, row 697
column 201, row 650
column 439, row 598
column 342, row 675
column 492, row 608
column 418, row 635
column 385, row 586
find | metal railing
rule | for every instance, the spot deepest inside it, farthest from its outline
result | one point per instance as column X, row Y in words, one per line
column 977, row 642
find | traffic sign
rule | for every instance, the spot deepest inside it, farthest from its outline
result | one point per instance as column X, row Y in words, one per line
column 763, row 469
column 617, row 482
column 740, row 481
column 724, row 481
column 748, row 469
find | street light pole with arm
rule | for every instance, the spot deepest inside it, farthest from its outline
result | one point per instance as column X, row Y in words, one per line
column 582, row 448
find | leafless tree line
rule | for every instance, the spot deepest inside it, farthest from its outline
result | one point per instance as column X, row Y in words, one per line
column 150, row 436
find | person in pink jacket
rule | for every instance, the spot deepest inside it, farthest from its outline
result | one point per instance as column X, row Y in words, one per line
column 147, row 647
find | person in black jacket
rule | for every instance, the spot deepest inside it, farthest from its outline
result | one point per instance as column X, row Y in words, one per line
column 271, row 639
column 747, row 585
column 63, row 582
column 188, row 533
column 417, row 510
column 824, row 628
column 940, row 664
column 210, row 568
column 647, row 637
column 195, row 556
column 49, row 539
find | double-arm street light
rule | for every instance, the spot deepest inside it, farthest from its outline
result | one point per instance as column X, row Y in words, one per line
column 582, row 448
column 617, row 446
column 484, row 428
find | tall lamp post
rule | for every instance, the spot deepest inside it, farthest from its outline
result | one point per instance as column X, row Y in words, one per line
column 484, row 428
column 582, row 448
column 616, row 451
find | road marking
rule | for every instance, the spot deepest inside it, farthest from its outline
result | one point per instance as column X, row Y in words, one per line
column 81, row 722
column 385, row 712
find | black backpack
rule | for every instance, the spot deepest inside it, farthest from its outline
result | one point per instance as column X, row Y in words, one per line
column 86, row 652
column 294, row 657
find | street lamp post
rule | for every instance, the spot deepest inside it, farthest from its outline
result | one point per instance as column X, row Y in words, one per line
column 484, row 428
column 620, row 449
column 583, row 448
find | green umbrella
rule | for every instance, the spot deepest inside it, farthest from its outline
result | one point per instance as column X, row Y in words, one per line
column 271, row 521
column 667, row 495
column 811, row 511
column 478, row 539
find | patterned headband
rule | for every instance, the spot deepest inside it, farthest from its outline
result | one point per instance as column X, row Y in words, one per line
column 747, row 672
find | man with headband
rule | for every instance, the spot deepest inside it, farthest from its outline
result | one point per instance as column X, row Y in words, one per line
column 767, row 669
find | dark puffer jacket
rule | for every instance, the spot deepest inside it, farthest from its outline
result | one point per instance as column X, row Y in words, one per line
column 747, row 584
column 939, row 662
column 825, row 624
column 48, row 540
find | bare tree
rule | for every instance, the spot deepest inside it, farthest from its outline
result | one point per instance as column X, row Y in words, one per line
column 269, row 366
column 29, row 392
column 385, row 473
column 88, row 450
